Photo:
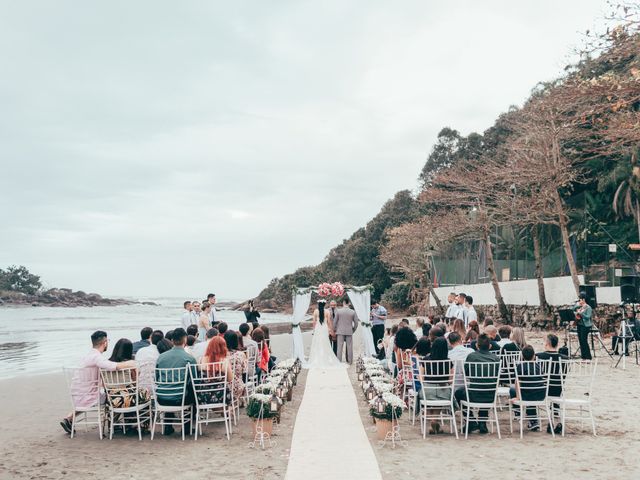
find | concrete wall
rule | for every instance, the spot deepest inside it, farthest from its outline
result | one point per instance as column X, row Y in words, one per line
column 559, row 291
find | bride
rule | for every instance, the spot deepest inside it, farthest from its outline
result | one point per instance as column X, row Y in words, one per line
column 322, row 355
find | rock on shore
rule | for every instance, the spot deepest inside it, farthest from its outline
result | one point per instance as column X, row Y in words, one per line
column 62, row 297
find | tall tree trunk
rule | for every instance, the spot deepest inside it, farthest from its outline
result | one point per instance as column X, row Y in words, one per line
column 535, row 234
column 566, row 242
column 432, row 292
column 502, row 308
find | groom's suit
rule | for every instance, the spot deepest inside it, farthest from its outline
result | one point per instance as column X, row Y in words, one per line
column 345, row 323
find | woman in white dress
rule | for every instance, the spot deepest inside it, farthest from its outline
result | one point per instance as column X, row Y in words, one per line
column 322, row 355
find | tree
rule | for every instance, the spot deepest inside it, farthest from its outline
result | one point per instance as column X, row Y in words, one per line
column 411, row 247
column 19, row 279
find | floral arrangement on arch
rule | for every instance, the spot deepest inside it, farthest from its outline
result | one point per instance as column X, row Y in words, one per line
column 335, row 289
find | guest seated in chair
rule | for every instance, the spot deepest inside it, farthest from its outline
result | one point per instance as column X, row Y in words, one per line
column 95, row 359
column 177, row 357
column 555, row 380
column 532, row 392
column 481, row 355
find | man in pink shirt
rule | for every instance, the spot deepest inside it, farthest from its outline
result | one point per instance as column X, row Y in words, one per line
column 83, row 387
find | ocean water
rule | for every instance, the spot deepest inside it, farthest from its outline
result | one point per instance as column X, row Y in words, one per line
column 36, row 340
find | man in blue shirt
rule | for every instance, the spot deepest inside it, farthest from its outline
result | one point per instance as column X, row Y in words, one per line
column 145, row 334
column 378, row 319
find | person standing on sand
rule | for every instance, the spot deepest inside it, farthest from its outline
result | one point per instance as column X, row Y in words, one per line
column 211, row 298
column 86, row 396
column 187, row 316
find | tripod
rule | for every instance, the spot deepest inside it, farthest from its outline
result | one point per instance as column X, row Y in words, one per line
column 625, row 337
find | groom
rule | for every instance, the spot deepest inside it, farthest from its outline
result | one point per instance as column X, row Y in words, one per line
column 344, row 324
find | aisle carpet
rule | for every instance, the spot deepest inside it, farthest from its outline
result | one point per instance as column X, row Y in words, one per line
column 329, row 441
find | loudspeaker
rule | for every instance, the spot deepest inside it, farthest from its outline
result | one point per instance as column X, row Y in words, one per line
column 630, row 289
column 589, row 291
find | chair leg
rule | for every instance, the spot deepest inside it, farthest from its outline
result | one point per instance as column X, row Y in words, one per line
column 99, row 424
column 154, row 420
column 550, row 420
column 73, row 423
column 495, row 412
column 139, row 425
column 593, row 421
column 466, row 433
column 454, row 426
column 111, row 427
column 563, row 415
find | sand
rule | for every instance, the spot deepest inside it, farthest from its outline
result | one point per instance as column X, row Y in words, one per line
column 34, row 446
column 580, row 455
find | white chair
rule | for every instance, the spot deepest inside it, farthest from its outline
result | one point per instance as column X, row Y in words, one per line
column 210, row 388
column 84, row 392
column 532, row 391
column 408, row 387
column 577, row 391
column 507, row 376
column 437, row 385
column 124, row 400
column 480, row 391
column 146, row 376
column 250, row 374
column 170, row 398
column 235, row 402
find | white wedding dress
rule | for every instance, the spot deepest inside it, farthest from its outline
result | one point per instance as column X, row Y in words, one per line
column 322, row 355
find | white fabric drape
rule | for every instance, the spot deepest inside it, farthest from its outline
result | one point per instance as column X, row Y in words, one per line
column 362, row 305
column 301, row 302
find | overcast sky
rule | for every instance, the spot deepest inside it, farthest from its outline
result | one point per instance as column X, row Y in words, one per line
column 176, row 148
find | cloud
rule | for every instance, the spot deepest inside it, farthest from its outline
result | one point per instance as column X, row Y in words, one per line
column 157, row 148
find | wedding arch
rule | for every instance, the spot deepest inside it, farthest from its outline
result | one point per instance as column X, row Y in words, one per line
column 360, row 298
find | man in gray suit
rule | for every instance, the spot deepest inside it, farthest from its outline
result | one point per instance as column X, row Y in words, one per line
column 344, row 324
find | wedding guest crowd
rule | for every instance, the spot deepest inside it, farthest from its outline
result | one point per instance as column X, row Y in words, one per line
column 195, row 342
column 463, row 345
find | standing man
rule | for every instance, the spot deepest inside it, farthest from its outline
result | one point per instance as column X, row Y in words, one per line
column 584, row 312
column 471, row 311
column 345, row 324
column 378, row 318
column 461, row 312
column 187, row 315
column 196, row 310
column 453, row 307
column 333, row 306
column 211, row 298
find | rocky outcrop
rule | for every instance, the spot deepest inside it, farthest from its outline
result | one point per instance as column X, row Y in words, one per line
column 62, row 297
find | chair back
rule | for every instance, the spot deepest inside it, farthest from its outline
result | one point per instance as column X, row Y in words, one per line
column 507, row 366
column 532, row 379
column 146, row 376
column 121, row 387
column 577, row 378
column 436, row 374
column 481, row 381
column 171, row 384
column 84, row 387
column 209, row 381
column 252, row 358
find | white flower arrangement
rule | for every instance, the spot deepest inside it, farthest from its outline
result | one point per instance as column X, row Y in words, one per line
column 266, row 388
column 382, row 386
column 260, row 397
column 369, row 360
column 285, row 364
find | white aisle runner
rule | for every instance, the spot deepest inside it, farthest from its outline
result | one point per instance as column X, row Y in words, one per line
column 329, row 441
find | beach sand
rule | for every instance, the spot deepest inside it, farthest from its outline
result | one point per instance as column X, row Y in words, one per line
column 34, row 446
column 580, row 455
